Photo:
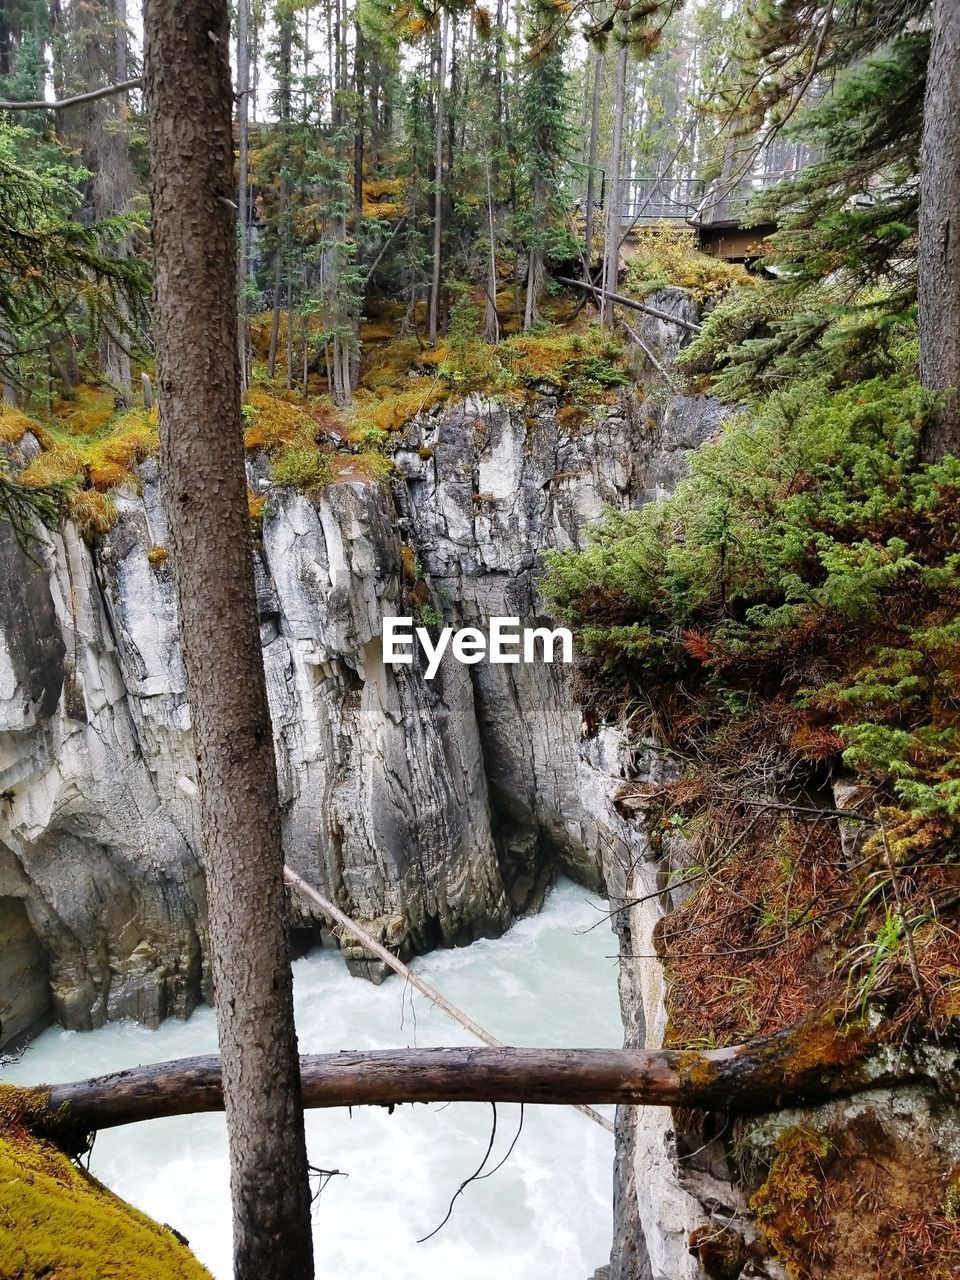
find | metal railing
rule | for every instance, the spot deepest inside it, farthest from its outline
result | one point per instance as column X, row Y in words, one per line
column 647, row 200
column 685, row 200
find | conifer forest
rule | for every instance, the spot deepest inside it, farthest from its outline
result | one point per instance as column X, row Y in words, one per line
column 480, row 639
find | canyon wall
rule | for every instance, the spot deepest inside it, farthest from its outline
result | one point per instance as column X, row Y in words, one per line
column 430, row 810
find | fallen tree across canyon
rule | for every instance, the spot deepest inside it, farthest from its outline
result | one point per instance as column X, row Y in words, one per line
column 810, row 1062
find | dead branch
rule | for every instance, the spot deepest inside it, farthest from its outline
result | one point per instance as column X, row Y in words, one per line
column 621, row 301
column 123, row 87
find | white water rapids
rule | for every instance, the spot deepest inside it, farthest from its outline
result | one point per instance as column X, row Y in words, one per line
column 548, row 982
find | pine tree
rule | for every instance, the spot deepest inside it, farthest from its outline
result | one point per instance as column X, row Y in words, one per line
column 845, row 294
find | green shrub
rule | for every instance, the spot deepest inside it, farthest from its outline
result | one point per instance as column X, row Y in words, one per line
column 301, row 466
column 808, row 559
column 666, row 255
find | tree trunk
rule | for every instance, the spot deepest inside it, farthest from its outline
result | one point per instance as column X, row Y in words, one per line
column 284, row 78
column 189, row 110
column 277, row 302
column 611, row 249
column 777, row 1071
column 433, row 321
column 243, row 147
column 359, row 70
column 95, row 49
column 491, row 322
column 535, row 263
column 939, row 265
column 590, row 212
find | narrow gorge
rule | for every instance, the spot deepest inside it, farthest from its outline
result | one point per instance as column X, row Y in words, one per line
column 630, row 326
column 432, row 812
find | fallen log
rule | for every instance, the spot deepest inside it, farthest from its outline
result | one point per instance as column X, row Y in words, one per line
column 810, row 1062
column 621, row 301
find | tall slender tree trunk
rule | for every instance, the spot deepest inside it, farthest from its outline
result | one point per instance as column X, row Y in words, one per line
column 281, row 265
column 95, row 53
column 611, row 250
column 434, row 313
column 189, row 110
column 277, row 307
column 243, row 150
column 491, row 322
column 359, row 72
column 939, row 265
column 535, row 263
column 592, row 160
column 115, row 162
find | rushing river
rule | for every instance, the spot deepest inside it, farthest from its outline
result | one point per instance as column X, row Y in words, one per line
column 550, row 981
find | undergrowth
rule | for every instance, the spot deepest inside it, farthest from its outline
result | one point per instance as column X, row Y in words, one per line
column 858, row 1202
column 87, row 451
column 289, row 435
column 666, row 255
column 790, row 613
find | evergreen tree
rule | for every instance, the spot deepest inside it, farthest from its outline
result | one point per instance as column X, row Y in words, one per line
column 545, row 142
column 844, row 254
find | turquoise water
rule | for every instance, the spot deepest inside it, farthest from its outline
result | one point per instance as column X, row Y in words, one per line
column 550, row 981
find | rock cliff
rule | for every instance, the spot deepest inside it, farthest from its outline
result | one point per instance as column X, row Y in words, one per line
column 428, row 809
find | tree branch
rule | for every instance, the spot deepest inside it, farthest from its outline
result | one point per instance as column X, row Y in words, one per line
column 123, row 87
column 621, row 301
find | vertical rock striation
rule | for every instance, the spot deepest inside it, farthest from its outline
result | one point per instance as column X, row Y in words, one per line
column 416, row 804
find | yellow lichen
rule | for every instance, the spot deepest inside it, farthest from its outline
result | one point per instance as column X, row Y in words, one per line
column 158, row 556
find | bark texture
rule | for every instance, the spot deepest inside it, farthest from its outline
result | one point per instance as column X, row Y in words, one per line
column 939, row 265
column 188, row 92
column 434, row 309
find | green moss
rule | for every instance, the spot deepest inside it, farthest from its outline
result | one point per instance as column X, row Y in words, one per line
column 788, row 1203
column 59, row 1223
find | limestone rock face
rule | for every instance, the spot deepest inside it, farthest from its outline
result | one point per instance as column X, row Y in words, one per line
column 415, row 804
column 89, row 856
column 487, row 488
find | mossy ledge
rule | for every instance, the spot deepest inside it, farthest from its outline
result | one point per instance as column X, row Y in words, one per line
column 60, row 1223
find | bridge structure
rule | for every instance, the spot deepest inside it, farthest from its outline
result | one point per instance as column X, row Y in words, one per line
column 714, row 211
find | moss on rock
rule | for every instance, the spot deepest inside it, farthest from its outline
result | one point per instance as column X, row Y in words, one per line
column 58, row 1222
